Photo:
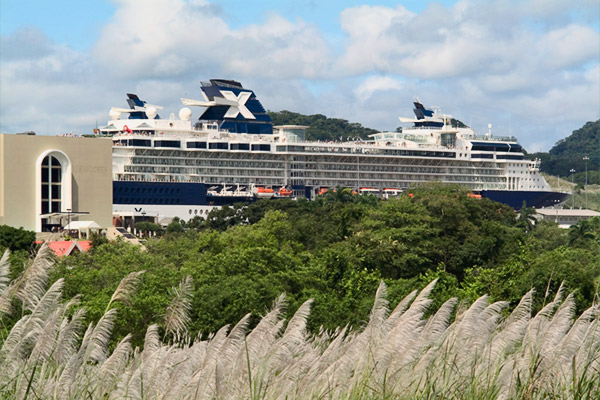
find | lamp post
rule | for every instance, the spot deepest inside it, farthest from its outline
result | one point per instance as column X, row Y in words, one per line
column 572, row 171
column 586, row 159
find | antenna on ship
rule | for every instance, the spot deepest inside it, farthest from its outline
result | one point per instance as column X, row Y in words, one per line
column 489, row 132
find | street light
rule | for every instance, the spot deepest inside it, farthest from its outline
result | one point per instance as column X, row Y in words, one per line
column 572, row 171
column 586, row 159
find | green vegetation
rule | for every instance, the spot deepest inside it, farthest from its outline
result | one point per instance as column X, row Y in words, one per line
column 568, row 154
column 20, row 242
column 414, row 350
column 336, row 250
column 321, row 127
column 590, row 194
column 15, row 239
column 330, row 256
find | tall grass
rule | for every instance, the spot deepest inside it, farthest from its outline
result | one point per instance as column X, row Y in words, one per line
column 398, row 354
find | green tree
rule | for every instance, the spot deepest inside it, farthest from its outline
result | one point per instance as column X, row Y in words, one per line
column 15, row 239
column 175, row 227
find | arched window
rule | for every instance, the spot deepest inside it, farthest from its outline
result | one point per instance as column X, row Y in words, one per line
column 53, row 186
column 51, row 171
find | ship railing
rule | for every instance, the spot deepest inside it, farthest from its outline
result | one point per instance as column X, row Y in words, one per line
column 221, row 83
column 429, row 128
column 394, row 144
column 490, row 138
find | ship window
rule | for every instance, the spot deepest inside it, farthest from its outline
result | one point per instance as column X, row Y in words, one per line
column 196, row 145
column 140, row 142
column 261, row 147
column 483, row 146
column 218, row 146
column 167, row 143
column 240, row 146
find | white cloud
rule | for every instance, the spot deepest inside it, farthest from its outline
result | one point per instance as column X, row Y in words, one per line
column 569, row 45
column 375, row 84
column 467, row 39
column 174, row 38
column 529, row 67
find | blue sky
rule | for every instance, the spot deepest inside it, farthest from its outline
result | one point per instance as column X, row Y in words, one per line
column 529, row 67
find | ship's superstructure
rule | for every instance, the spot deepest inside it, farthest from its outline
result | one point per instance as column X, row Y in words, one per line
column 179, row 167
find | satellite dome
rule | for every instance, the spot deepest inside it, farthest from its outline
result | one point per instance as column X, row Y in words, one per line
column 151, row 112
column 114, row 114
column 185, row 114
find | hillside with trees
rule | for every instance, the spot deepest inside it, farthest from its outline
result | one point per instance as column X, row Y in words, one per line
column 568, row 153
column 321, row 127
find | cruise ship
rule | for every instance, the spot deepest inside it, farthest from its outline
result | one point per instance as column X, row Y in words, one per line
column 181, row 167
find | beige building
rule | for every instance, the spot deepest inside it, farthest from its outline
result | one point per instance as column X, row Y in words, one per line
column 48, row 181
column 565, row 218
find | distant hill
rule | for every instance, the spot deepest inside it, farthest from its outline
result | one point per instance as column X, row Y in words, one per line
column 324, row 128
column 321, row 127
column 568, row 154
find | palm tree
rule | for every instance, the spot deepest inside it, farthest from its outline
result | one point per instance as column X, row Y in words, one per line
column 526, row 219
column 585, row 230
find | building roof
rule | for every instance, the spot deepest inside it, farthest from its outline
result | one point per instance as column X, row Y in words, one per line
column 65, row 247
column 165, row 221
column 82, row 225
column 565, row 212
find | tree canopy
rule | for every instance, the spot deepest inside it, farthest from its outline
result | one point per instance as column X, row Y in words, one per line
column 336, row 250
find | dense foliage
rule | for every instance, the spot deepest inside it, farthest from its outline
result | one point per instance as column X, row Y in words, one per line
column 15, row 239
column 321, row 127
column 469, row 352
column 568, row 154
column 21, row 244
column 336, row 250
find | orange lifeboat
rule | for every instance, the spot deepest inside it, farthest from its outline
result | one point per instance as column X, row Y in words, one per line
column 364, row 190
column 284, row 192
column 474, row 196
column 263, row 192
column 323, row 191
